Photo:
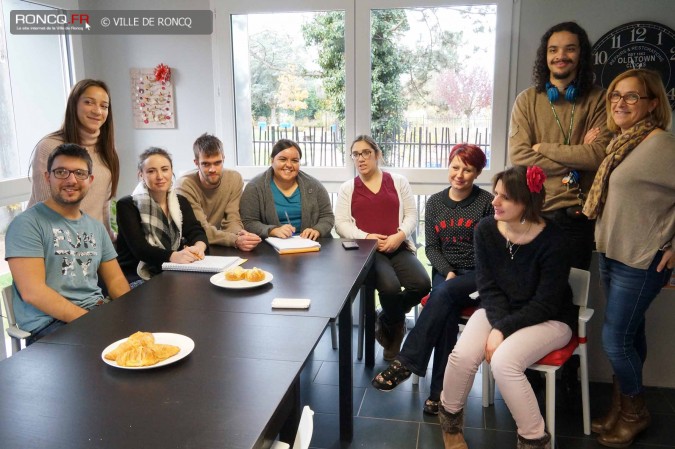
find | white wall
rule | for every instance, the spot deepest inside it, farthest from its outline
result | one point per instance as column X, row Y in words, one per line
column 110, row 57
column 597, row 18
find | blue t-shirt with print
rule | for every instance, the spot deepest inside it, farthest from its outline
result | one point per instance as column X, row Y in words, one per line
column 72, row 250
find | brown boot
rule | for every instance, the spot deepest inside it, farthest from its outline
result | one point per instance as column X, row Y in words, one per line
column 397, row 332
column 452, row 425
column 633, row 419
column 607, row 422
column 539, row 443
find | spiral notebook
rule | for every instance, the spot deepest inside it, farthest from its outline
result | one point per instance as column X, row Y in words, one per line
column 209, row 264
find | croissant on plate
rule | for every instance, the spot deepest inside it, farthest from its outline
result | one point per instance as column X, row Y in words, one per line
column 255, row 275
column 235, row 274
column 140, row 349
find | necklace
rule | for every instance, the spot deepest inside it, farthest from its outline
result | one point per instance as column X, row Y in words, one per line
column 510, row 244
column 567, row 137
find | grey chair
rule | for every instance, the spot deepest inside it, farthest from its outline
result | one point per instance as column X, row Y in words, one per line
column 16, row 334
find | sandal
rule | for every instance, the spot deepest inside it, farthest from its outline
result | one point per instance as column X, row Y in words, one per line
column 390, row 378
column 431, row 407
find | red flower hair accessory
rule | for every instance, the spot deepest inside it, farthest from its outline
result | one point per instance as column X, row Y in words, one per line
column 162, row 72
column 535, row 178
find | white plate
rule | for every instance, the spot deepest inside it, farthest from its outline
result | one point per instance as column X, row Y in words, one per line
column 219, row 280
column 186, row 345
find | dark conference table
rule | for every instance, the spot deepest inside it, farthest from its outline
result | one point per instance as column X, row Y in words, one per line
column 236, row 388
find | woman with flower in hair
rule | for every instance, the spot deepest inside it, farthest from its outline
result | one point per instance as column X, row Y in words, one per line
column 522, row 267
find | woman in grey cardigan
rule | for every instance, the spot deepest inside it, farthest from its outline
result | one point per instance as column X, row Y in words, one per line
column 283, row 201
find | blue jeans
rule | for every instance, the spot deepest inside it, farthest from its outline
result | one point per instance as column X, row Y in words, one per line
column 437, row 327
column 629, row 292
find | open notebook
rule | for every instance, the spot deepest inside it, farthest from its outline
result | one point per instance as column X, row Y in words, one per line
column 209, row 264
column 293, row 245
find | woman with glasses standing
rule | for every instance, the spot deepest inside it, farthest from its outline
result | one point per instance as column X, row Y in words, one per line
column 634, row 187
column 283, row 201
column 88, row 122
column 380, row 206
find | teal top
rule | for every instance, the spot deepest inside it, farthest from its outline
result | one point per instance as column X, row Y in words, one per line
column 288, row 207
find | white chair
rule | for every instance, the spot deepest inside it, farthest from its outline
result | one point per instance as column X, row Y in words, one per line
column 579, row 280
column 16, row 334
column 305, row 431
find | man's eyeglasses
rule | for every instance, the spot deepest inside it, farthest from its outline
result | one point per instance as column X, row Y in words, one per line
column 630, row 97
column 365, row 154
column 64, row 173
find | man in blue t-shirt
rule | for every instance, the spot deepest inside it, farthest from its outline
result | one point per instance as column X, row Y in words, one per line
column 56, row 252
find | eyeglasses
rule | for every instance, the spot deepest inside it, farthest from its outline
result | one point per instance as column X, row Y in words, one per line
column 630, row 97
column 365, row 153
column 64, row 173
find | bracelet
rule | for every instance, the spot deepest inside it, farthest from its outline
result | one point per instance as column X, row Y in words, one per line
column 665, row 247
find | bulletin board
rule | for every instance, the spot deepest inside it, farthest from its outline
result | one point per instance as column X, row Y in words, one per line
column 152, row 100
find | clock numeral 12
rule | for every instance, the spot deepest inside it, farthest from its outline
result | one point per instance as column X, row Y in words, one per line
column 640, row 32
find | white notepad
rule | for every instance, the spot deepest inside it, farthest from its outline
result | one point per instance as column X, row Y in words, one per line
column 209, row 264
column 293, row 245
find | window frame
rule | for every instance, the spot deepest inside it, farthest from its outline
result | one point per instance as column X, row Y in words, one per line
column 331, row 177
column 358, row 86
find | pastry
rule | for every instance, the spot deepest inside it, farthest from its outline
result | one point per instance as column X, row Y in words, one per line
column 140, row 349
column 235, row 274
column 255, row 275
column 138, row 356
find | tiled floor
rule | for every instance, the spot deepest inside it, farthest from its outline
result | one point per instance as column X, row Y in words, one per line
column 394, row 420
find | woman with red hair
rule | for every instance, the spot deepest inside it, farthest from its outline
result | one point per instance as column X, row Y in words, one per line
column 450, row 218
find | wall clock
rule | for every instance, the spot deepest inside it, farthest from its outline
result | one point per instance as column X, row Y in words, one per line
column 636, row 45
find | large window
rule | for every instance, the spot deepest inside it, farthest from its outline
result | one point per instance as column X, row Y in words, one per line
column 289, row 82
column 431, row 81
column 419, row 77
column 34, row 83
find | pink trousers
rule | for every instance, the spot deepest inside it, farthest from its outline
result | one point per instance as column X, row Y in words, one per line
column 520, row 350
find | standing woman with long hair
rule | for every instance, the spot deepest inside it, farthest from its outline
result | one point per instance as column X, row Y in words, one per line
column 379, row 205
column 633, row 189
column 88, row 122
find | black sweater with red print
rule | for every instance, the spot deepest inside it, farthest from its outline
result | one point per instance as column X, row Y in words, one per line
column 449, row 228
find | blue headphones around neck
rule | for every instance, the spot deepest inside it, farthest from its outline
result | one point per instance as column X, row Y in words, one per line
column 554, row 94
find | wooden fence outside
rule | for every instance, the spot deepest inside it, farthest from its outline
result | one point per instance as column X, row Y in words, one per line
column 414, row 147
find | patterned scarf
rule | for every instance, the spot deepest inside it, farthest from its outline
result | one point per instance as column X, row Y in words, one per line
column 159, row 230
column 617, row 150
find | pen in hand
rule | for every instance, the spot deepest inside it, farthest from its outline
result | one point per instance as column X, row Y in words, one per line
column 198, row 256
column 288, row 219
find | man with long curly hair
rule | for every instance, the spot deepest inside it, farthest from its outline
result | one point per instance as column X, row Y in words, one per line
column 559, row 124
